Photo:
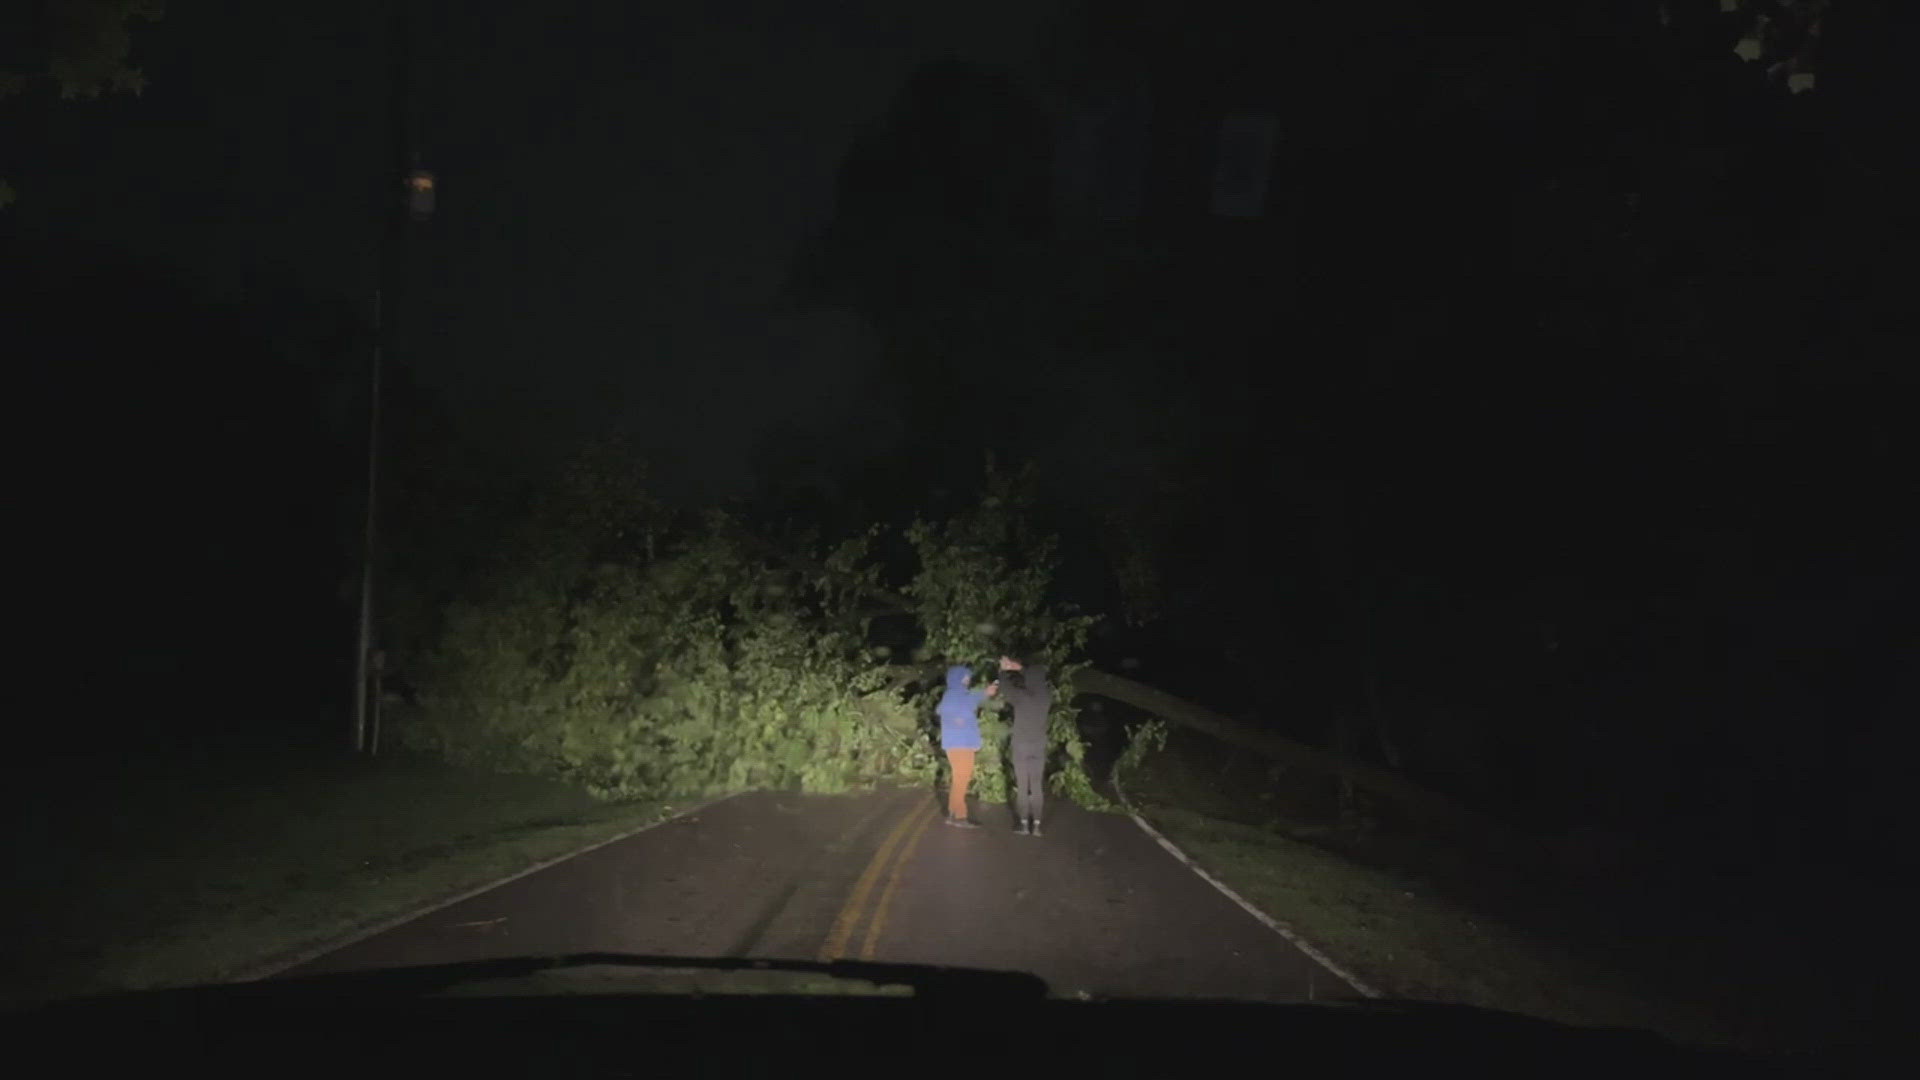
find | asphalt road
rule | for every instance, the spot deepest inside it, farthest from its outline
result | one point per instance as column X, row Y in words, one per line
column 1094, row 907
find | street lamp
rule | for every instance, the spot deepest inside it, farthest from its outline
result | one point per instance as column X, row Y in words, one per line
column 419, row 192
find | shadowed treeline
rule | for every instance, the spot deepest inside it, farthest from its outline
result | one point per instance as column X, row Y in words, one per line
column 1538, row 434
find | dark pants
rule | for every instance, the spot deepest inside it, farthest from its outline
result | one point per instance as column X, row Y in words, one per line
column 1029, row 770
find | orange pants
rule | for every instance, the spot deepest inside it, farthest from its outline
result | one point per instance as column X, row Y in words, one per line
column 962, row 763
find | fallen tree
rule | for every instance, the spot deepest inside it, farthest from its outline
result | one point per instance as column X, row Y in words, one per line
column 1429, row 808
column 1421, row 803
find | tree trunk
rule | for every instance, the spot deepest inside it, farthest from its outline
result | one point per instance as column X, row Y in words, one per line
column 1343, row 744
column 1422, row 804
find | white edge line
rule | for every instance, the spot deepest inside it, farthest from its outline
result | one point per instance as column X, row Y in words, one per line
column 272, row 968
column 1266, row 920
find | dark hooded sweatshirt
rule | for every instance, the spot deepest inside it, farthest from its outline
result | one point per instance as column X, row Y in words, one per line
column 1031, row 697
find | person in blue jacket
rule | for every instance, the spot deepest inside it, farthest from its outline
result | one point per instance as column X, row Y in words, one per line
column 960, row 737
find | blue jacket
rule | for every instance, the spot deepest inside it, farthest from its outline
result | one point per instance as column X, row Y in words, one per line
column 960, row 711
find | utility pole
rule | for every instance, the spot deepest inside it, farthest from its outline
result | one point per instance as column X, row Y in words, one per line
column 362, row 690
column 397, row 209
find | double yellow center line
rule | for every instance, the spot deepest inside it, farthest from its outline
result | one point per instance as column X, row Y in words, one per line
column 892, row 857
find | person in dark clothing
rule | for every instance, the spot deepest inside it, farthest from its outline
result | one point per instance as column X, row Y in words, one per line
column 1024, row 686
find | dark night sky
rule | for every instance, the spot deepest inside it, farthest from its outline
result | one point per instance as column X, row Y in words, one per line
column 623, row 187
column 1545, row 433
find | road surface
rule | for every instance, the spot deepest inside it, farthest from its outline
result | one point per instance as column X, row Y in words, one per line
column 1094, row 907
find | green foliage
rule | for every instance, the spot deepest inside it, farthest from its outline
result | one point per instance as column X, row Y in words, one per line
column 984, row 576
column 1067, row 754
column 1143, row 738
column 594, row 637
column 607, row 645
column 79, row 46
column 982, row 590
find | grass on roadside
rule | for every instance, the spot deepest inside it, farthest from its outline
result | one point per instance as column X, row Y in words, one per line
column 183, row 870
column 1416, row 921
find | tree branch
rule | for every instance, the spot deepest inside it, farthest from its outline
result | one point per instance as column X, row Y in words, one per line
column 1422, row 802
column 894, row 602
